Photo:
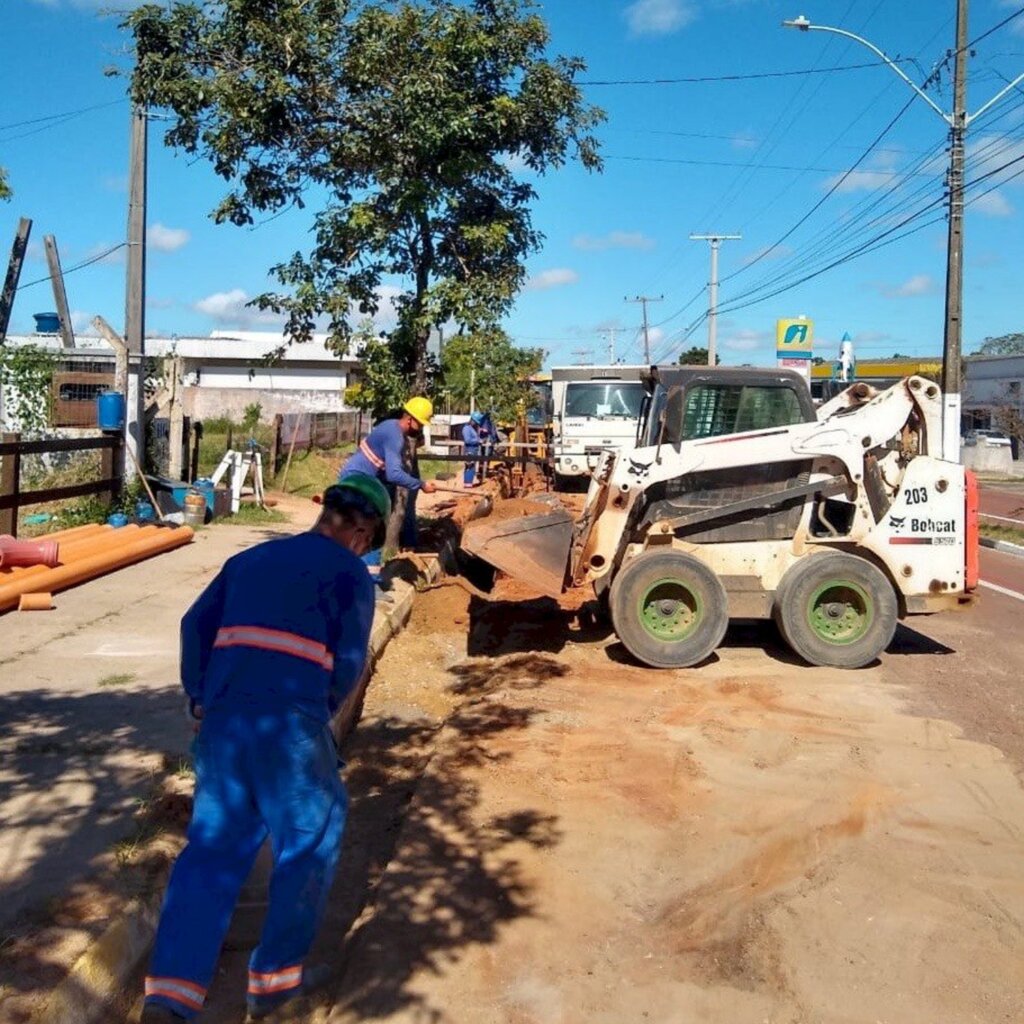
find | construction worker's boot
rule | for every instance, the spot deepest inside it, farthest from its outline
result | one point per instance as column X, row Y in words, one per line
column 154, row 1013
column 314, row 978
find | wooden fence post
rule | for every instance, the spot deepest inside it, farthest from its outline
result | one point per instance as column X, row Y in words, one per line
column 111, row 461
column 275, row 446
column 10, row 471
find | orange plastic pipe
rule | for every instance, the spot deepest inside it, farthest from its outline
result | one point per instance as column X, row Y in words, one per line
column 35, row 602
column 87, row 568
column 72, row 533
column 88, row 545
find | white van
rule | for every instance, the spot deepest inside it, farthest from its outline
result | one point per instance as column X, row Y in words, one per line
column 595, row 408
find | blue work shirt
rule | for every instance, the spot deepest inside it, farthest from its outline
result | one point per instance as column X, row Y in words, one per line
column 285, row 625
column 471, row 438
column 380, row 454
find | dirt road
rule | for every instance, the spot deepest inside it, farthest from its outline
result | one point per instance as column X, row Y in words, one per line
column 586, row 840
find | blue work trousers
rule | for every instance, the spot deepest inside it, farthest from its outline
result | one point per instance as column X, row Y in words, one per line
column 257, row 774
column 469, row 473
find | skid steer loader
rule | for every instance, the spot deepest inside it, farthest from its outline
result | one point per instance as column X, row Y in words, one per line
column 741, row 501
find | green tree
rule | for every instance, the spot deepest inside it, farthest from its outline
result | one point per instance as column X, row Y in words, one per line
column 26, row 378
column 1004, row 345
column 381, row 386
column 400, row 118
column 486, row 365
column 696, row 356
column 5, row 187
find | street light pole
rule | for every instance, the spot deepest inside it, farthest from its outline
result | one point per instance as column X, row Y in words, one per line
column 958, row 122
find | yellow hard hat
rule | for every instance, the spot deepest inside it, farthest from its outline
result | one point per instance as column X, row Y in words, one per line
column 420, row 409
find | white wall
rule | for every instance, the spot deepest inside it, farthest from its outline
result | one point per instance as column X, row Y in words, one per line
column 281, row 378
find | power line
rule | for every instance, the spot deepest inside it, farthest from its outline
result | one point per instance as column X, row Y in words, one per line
column 66, row 113
column 995, row 28
column 752, row 76
column 79, row 266
column 728, row 163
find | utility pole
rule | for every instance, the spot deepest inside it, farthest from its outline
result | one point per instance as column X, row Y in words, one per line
column 135, row 287
column 18, row 250
column 716, row 241
column 958, row 121
column 60, row 295
column 586, row 356
column 952, row 336
column 643, row 300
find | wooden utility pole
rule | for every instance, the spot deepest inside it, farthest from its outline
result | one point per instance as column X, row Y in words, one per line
column 953, row 331
column 13, row 273
column 60, row 295
column 643, row 300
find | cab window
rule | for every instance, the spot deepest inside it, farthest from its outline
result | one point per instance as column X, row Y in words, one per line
column 711, row 410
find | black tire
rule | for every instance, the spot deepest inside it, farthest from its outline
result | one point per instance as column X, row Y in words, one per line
column 836, row 609
column 668, row 609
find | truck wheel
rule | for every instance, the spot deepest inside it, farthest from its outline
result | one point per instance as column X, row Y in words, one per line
column 668, row 609
column 836, row 609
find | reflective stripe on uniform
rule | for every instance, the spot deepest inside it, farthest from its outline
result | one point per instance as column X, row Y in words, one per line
column 261, row 984
column 188, row 993
column 374, row 458
column 275, row 640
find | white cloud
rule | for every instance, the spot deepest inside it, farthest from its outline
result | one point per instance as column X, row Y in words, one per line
column 658, row 17
column 743, row 140
column 614, row 240
column 746, row 339
column 556, row 277
column 114, row 258
column 1016, row 26
column 164, row 239
column 229, row 309
column 81, row 322
column 919, row 284
column 152, row 302
column 767, row 252
column 655, row 334
column 992, row 204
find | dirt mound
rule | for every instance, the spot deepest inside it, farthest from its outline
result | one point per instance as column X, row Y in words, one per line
column 444, row 609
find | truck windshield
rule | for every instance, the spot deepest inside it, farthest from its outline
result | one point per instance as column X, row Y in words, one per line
column 604, row 401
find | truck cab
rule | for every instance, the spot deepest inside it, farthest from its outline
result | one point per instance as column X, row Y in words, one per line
column 596, row 410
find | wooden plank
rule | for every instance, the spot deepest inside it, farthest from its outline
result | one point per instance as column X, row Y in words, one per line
column 112, row 468
column 58, row 493
column 62, row 444
column 13, row 273
column 10, row 468
column 60, row 296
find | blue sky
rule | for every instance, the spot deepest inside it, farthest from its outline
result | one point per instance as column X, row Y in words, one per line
column 749, row 157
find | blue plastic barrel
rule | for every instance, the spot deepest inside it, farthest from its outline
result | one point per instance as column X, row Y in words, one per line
column 110, row 410
column 207, row 489
column 117, row 519
column 144, row 511
column 47, row 323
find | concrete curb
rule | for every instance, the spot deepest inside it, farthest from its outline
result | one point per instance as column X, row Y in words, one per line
column 1002, row 545
column 100, row 973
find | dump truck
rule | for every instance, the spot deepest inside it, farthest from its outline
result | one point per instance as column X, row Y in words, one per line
column 740, row 500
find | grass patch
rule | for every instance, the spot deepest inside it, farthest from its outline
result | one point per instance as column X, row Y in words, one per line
column 1007, row 533
column 253, row 515
column 117, row 679
column 312, row 472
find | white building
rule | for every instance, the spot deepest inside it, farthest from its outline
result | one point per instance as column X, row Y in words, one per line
column 992, row 383
column 220, row 375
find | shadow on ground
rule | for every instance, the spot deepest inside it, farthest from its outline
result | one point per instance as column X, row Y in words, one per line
column 83, row 801
column 452, row 880
column 536, row 625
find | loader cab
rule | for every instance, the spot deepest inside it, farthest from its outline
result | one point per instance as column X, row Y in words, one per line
column 683, row 403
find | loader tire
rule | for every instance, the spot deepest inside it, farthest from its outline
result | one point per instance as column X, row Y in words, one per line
column 837, row 610
column 668, row 609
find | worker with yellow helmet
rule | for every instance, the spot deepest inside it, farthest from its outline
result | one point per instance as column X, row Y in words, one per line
column 382, row 452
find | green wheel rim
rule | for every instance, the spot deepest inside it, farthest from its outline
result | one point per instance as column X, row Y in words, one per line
column 840, row 612
column 670, row 611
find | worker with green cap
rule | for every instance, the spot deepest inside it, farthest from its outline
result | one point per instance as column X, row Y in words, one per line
column 269, row 651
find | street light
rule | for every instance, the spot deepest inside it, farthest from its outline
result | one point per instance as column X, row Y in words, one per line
column 957, row 120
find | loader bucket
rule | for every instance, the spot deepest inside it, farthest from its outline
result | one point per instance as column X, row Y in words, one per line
column 533, row 548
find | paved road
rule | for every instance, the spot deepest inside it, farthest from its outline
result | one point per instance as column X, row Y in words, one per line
column 1001, row 503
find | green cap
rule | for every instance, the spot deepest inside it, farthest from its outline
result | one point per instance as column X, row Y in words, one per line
column 367, row 487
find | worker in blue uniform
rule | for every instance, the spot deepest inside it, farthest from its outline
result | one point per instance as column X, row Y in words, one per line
column 382, row 454
column 472, row 441
column 269, row 652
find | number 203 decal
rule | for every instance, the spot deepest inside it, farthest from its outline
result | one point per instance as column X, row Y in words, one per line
column 917, row 496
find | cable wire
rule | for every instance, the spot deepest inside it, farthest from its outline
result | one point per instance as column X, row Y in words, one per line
column 78, row 266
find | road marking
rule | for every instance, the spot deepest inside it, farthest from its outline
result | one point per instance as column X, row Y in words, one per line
column 1002, row 590
column 1004, row 519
